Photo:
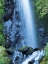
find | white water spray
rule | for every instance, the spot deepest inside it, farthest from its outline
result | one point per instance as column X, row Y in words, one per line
column 30, row 58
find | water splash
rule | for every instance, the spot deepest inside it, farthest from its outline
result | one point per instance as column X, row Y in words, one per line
column 36, row 56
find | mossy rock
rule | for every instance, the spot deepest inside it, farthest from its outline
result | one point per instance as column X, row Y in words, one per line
column 26, row 50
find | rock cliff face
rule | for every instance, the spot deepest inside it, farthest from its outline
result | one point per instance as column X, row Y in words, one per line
column 9, row 7
column 12, row 24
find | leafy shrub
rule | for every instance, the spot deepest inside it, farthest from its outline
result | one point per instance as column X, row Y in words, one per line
column 3, row 56
column 41, row 7
column 45, row 59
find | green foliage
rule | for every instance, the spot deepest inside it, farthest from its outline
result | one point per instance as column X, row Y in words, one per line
column 2, row 37
column 2, row 51
column 3, row 56
column 4, row 60
column 41, row 7
column 45, row 59
column 1, row 3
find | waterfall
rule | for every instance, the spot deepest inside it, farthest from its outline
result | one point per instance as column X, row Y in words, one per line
column 30, row 24
column 22, row 25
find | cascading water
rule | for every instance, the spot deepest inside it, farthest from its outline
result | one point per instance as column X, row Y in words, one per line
column 21, row 31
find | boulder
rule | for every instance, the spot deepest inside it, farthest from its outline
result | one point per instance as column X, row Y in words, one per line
column 26, row 50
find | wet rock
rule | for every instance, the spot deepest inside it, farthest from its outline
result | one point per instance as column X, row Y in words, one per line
column 43, row 36
column 31, row 62
column 36, row 49
column 17, row 15
column 8, row 44
column 9, row 2
column 10, row 52
column 17, row 58
column 9, row 7
column 18, row 26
